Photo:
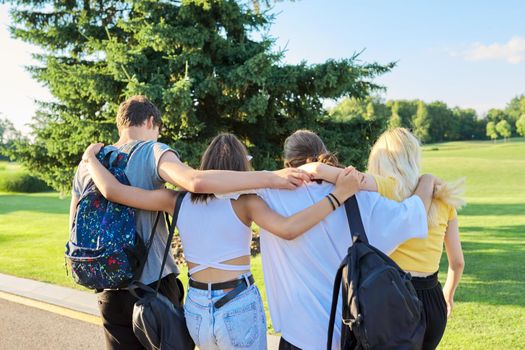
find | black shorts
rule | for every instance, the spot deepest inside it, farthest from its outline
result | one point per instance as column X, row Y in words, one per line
column 284, row 345
column 116, row 310
column 430, row 293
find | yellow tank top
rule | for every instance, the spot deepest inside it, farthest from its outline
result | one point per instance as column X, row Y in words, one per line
column 419, row 255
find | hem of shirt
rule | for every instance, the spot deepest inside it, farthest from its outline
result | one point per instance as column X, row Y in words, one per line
column 232, row 255
column 295, row 342
column 164, row 274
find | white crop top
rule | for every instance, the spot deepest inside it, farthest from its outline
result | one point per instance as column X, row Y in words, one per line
column 211, row 233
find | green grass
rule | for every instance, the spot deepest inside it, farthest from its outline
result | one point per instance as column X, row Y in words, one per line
column 490, row 302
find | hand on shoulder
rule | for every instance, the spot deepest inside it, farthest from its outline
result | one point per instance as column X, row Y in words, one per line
column 92, row 151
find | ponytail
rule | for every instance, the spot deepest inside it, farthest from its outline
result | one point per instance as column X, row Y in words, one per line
column 450, row 193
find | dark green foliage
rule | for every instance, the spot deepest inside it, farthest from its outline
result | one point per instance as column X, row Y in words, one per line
column 432, row 122
column 22, row 182
column 8, row 136
column 351, row 139
column 203, row 62
column 469, row 126
column 515, row 108
column 407, row 110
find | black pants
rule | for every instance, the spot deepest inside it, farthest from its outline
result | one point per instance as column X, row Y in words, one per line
column 116, row 309
column 284, row 345
column 430, row 293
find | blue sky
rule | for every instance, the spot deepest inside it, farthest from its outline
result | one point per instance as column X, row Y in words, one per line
column 466, row 53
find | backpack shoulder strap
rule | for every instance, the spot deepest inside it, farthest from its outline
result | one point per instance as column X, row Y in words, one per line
column 172, row 226
column 135, row 147
column 335, row 297
column 354, row 220
column 129, row 149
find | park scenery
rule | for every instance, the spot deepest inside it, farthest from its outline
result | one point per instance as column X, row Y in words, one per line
column 211, row 66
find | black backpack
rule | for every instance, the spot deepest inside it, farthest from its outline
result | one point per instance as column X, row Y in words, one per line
column 381, row 309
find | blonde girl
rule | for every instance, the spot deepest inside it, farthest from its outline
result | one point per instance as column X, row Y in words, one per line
column 394, row 170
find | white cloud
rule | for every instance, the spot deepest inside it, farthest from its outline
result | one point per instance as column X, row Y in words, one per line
column 513, row 51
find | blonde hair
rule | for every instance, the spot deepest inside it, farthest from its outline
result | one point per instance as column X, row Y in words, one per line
column 397, row 154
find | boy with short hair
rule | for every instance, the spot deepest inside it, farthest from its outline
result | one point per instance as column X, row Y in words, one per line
column 150, row 166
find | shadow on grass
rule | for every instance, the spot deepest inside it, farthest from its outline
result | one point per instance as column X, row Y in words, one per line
column 25, row 202
column 493, row 209
column 494, row 269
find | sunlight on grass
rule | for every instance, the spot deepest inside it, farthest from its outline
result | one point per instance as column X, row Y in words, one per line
column 490, row 302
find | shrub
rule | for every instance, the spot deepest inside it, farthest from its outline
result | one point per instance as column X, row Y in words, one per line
column 22, row 182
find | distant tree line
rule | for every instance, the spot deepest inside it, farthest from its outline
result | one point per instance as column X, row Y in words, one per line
column 8, row 135
column 435, row 121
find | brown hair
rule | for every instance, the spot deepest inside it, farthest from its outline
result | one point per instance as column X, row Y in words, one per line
column 225, row 152
column 305, row 146
column 135, row 111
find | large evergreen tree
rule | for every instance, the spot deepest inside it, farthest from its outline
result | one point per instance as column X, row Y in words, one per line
column 206, row 63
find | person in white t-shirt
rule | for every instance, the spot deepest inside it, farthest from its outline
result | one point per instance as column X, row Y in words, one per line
column 223, row 307
column 299, row 273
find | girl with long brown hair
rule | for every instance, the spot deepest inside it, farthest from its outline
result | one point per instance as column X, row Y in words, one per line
column 223, row 307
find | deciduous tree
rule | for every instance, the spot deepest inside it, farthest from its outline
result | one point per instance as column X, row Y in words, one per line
column 504, row 129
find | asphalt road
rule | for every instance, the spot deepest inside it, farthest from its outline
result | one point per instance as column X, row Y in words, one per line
column 27, row 328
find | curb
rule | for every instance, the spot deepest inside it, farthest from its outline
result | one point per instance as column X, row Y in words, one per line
column 57, row 298
column 50, row 294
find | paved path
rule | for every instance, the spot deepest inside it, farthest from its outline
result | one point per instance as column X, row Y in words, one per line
column 26, row 327
column 37, row 315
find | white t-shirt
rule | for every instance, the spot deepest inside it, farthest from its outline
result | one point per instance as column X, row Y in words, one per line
column 299, row 274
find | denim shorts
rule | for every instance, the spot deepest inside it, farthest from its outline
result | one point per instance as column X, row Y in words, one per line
column 238, row 324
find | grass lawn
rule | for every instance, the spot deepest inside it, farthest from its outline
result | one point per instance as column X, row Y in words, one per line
column 490, row 302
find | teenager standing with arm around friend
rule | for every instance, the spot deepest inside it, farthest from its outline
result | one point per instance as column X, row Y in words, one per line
column 299, row 274
column 394, row 164
column 393, row 171
column 150, row 166
column 223, row 307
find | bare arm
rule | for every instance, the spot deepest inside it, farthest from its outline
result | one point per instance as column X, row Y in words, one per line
column 322, row 171
column 293, row 226
column 329, row 173
column 172, row 170
column 425, row 189
column 456, row 263
column 73, row 209
column 114, row 191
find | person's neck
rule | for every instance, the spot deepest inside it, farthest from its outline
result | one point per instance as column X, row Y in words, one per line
column 131, row 134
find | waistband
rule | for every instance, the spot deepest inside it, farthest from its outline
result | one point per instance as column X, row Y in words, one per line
column 248, row 279
column 421, row 283
column 238, row 286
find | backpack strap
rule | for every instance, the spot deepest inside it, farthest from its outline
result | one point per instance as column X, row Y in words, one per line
column 335, row 297
column 354, row 220
column 149, row 244
column 172, row 226
column 132, row 148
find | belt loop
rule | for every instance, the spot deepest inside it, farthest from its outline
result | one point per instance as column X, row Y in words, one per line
column 209, row 291
column 246, row 280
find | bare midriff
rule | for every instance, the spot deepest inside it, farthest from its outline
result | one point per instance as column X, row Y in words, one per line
column 213, row 275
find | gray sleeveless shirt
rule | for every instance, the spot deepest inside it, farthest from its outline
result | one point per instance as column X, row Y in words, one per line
column 142, row 171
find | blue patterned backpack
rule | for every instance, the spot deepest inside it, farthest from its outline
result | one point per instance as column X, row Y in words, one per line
column 104, row 250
